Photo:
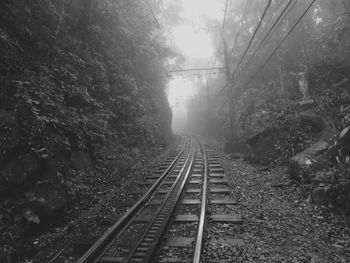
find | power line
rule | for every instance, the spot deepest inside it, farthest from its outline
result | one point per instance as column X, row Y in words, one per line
column 194, row 69
column 222, row 33
column 269, row 32
column 253, row 36
column 279, row 45
column 224, row 22
column 201, row 74
column 153, row 14
column 290, row 9
column 245, row 13
column 273, row 15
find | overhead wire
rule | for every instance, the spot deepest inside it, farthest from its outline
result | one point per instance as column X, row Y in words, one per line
column 279, row 45
column 253, row 36
column 290, row 9
column 212, row 68
column 285, row 15
column 224, row 22
column 245, row 13
column 222, row 33
column 272, row 21
column 201, row 74
column 268, row 34
column 251, row 39
column 153, row 14
column 270, row 16
column 195, row 69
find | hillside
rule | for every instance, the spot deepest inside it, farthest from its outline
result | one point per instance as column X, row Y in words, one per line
column 82, row 87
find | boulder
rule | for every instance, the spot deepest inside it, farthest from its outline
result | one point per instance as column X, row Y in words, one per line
column 304, row 165
column 263, row 145
column 317, row 148
column 239, row 148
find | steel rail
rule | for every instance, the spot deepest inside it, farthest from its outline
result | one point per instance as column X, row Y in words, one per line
column 165, row 212
column 95, row 251
column 202, row 218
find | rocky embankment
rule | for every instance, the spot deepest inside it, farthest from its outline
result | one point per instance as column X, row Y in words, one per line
column 315, row 147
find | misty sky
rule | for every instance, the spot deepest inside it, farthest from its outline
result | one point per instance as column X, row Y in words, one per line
column 192, row 39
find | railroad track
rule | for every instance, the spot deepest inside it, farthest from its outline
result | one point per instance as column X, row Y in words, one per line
column 168, row 223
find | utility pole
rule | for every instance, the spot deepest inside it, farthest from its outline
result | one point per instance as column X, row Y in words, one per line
column 208, row 122
column 208, row 98
column 230, row 86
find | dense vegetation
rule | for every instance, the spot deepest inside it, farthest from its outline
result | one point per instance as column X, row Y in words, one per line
column 270, row 117
column 80, row 81
column 82, row 93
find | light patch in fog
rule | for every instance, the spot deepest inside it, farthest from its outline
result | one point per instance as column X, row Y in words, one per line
column 209, row 8
column 180, row 91
column 193, row 45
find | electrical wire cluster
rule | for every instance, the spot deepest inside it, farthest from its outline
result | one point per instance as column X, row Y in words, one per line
column 265, row 34
column 259, row 38
column 221, row 34
column 279, row 45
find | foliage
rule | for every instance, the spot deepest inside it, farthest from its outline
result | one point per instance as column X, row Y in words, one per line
column 267, row 102
column 280, row 118
column 77, row 75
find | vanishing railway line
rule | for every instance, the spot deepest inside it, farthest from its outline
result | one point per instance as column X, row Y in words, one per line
column 168, row 224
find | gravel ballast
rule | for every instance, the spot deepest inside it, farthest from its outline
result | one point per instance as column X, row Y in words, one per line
column 280, row 224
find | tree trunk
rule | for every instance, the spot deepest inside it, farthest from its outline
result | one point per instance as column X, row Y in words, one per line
column 281, row 79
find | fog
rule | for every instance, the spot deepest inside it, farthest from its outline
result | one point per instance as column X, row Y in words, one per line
column 196, row 45
column 269, row 45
